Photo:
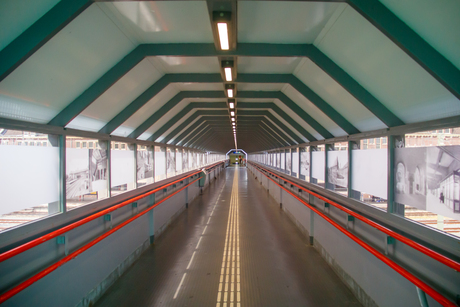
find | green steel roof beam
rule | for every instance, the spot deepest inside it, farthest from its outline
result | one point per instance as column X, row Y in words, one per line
column 187, row 135
column 200, row 131
column 153, row 90
column 38, row 34
column 281, row 113
column 305, row 91
column 410, row 42
column 183, row 113
column 244, row 49
column 190, row 119
column 194, row 125
column 171, row 104
column 290, row 104
column 241, row 105
column 289, row 132
column 183, row 136
column 275, row 131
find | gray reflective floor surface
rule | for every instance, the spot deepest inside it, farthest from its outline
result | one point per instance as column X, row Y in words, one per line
column 267, row 260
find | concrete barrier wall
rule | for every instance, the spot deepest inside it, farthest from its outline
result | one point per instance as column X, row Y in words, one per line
column 81, row 281
column 372, row 281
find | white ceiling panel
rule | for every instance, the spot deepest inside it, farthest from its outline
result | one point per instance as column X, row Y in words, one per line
column 199, row 86
column 335, row 95
column 177, row 64
column 151, row 107
column 437, row 22
column 16, row 19
column 268, row 65
column 260, row 87
column 123, row 92
column 386, row 71
column 144, row 136
column 123, row 131
column 313, row 111
column 163, row 21
column 86, row 123
column 69, row 63
column 266, row 21
column 20, row 109
column 298, row 119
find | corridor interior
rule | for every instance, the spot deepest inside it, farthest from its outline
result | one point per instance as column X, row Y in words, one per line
column 233, row 246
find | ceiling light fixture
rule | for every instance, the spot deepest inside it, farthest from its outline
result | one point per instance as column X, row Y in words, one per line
column 233, row 119
column 222, row 20
column 232, row 113
column 230, row 90
column 231, row 103
column 228, row 70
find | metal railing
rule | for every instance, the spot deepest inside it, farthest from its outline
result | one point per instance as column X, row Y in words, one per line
column 423, row 249
column 35, row 242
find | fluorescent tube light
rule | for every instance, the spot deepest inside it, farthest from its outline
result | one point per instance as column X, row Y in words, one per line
column 232, row 113
column 228, row 73
column 232, row 105
column 223, row 35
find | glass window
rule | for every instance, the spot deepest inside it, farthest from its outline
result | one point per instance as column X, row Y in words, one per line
column 34, row 170
column 77, row 144
column 84, row 144
column 160, row 163
column 179, row 161
column 369, row 175
column 337, row 168
column 144, row 165
column 86, row 173
column 116, row 146
column 318, row 165
column 90, row 144
column 305, row 163
column 122, row 169
column 427, row 180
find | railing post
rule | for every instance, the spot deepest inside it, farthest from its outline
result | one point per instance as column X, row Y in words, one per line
column 151, row 220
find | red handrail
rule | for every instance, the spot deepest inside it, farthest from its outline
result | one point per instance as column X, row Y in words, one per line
column 416, row 281
column 10, row 293
column 423, row 249
column 26, row 246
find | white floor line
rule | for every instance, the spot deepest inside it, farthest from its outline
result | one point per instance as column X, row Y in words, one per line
column 204, row 230
column 190, row 262
column 178, row 288
column 208, row 220
column 199, row 241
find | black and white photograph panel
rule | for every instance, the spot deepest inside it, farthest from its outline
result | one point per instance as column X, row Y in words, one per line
column 288, row 161
column 410, row 176
column 86, row 171
column 144, row 164
column 98, row 169
column 305, row 164
column 185, row 160
column 170, row 162
column 443, row 180
column 338, row 168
